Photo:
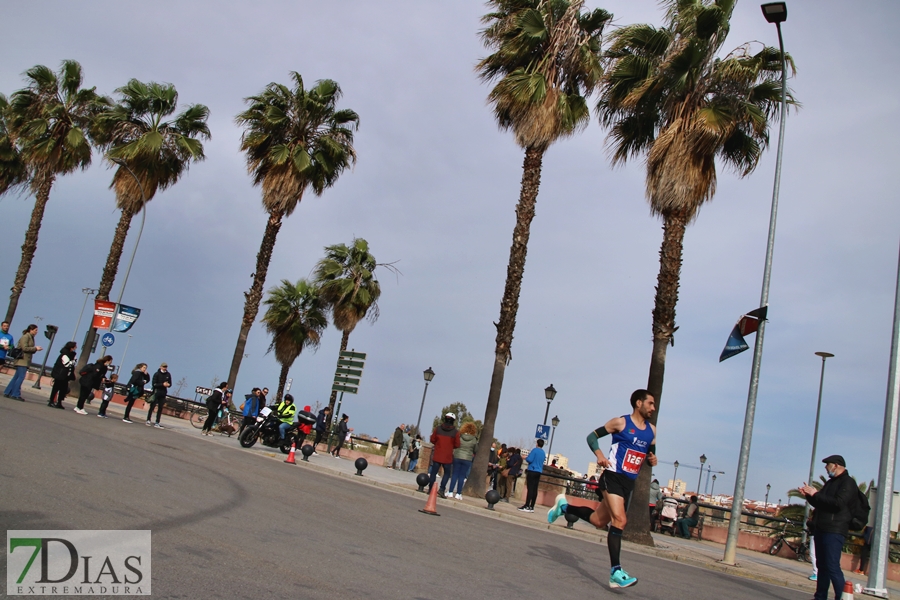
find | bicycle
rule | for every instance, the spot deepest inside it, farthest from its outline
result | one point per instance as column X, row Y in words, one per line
column 800, row 548
column 226, row 424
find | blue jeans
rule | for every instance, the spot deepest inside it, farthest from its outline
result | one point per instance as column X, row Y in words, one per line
column 282, row 429
column 828, row 563
column 14, row 388
column 412, row 464
column 435, row 467
column 684, row 526
column 461, row 470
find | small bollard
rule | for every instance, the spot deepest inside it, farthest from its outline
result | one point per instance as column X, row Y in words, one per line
column 422, row 480
column 570, row 520
column 360, row 465
column 307, row 451
column 492, row 497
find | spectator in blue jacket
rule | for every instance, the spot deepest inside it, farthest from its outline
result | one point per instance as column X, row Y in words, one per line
column 535, row 459
column 250, row 408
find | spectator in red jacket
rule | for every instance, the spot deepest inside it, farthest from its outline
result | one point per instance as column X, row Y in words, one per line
column 445, row 438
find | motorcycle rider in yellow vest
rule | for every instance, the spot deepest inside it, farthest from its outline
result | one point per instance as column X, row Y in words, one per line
column 285, row 411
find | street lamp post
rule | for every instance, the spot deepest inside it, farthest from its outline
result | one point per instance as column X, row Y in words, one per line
column 550, row 394
column 429, row 375
column 702, row 462
column 555, row 422
column 713, row 488
column 87, row 293
column 675, row 477
column 124, row 352
column 766, row 507
column 774, row 12
column 812, row 459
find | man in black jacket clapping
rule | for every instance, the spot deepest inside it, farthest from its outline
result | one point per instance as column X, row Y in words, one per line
column 831, row 521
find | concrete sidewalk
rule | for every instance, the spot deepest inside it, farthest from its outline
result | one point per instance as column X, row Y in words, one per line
column 707, row 555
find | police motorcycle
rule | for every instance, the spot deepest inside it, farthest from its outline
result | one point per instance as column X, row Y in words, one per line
column 265, row 430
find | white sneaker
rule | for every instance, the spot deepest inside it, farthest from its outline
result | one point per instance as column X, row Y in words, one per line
column 126, row 421
column 158, row 426
column 459, row 496
column 148, row 423
column 80, row 411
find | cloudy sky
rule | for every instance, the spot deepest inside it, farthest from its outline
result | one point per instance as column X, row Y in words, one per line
column 434, row 192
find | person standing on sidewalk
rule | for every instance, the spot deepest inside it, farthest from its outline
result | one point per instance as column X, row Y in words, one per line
column 397, row 451
column 831, row 523
column 633, row 442
column 323, row 422
column 162, row 381
column 463, row 457
column 250, row 408
column 28, row 348
column 135, row 387
column 342, row 432
column 535, row 459
column 213, row 403
column 415, row 448
column 445, row 438
column 63, row 372
column 106, row 396
column 92, row 376
column 6, row 341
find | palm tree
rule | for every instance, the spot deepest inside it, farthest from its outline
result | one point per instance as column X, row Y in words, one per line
column 295, row 139
column 148, row 149
column 346, row 278
column 50, row 122
column 296, row 319
column 667, row 95
column 13, row 170
column 546, row 61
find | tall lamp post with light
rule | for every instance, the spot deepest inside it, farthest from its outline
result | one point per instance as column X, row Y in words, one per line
column 88, row 292
column 555, row 422
column 429, row 375
column 766, row 507
column 700, row 479
column 675, row 477
column 549, row 394
column 774, row 12
column 713, row 488
column 812, row 459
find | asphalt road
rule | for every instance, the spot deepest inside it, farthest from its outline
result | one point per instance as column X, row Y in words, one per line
column 232, row 523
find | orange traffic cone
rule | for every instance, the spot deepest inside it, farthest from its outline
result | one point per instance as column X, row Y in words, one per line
column 848, row 590
column 431, row 503
column 290, row 459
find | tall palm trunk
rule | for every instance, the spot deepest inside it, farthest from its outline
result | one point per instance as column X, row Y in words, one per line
column 282, row 380
column 509, row 307
column 41, row 197
column 106, row 281
column 345, row 340
column 253, row 297
column 667, row 282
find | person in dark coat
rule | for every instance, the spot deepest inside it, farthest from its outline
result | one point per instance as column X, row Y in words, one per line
column 323, row 420
column 92, row 376
column 213, row 404
column 63, row 372
column 343, row 431
column 162, row 381
column 831, row 522
column 135, row 388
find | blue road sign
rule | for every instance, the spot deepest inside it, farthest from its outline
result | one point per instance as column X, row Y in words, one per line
column 108, row 339
column 542, row 432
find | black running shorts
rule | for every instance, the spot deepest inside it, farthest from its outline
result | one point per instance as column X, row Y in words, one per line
column 616, row 484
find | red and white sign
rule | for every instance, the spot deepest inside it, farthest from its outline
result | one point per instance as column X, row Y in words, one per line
column 633, row 461
column 103, row 314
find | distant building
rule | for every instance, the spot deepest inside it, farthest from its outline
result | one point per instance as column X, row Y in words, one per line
column 593, row 471
column 677, row 487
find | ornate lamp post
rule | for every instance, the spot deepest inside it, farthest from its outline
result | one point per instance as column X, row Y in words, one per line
column 766, row 508
column 702, row 462
column 675, row 477
column 429, row 375
column 713, row 488
column 555, row 422
column 550, row 394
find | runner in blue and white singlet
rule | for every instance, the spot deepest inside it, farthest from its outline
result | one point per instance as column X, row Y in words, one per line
column 629, row 448
column 633, row 443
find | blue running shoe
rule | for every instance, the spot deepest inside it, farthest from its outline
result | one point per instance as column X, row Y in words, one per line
column 559, row 507
column 813, row 577
column 621, row 579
